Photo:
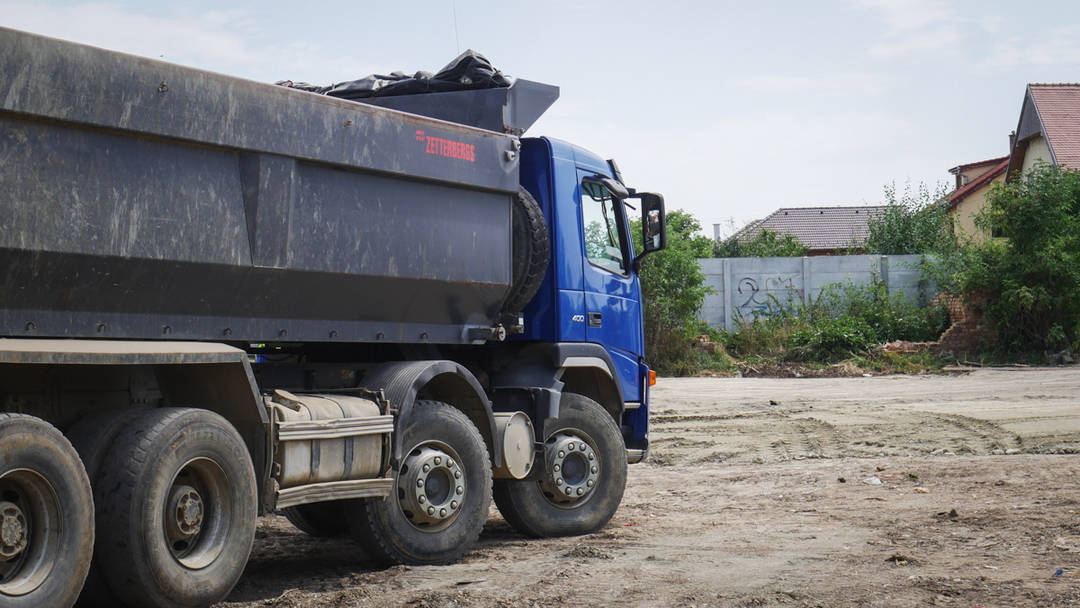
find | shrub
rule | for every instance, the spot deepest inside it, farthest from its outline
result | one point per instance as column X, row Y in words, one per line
column 832, row 338
column 915, row 222
column 844, row 320
column 765, row 244
column 1031, row 279
column 891, row 316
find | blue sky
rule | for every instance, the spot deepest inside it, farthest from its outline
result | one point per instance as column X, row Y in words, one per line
column 730, row 109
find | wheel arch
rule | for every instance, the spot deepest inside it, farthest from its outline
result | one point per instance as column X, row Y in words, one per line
column 405, row 382
column 582, row 368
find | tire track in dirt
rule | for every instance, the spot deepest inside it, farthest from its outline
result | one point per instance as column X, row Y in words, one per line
column 992, row 436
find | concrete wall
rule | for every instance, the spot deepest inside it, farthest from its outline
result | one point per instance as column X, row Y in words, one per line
column 748, row 285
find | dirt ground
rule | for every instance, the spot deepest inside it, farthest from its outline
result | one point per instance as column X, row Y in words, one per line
column 885, row 491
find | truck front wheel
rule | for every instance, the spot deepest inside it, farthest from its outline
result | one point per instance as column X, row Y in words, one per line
column 178, row 519
column 46, row 515
column 583, row 479
column 441, row 495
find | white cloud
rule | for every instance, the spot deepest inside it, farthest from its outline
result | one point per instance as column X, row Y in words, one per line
column 916, row 26
column 906, row 15
column 1059, row 47
column 864, row 83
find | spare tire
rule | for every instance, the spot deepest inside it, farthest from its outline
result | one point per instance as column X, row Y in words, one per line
column 531, row 250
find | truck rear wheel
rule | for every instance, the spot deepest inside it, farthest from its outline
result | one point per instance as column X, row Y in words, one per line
column 92, row 437
column 46, row 515
column 441, row 495
column 320, row 519
column 179, row 519
column 583, row 479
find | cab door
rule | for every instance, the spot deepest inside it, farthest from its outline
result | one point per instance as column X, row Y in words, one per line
column 612, row 300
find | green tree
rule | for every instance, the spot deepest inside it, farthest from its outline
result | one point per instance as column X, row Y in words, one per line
column 673, row 289
column 1030, row 280
column 916, row 221
column 769, row 244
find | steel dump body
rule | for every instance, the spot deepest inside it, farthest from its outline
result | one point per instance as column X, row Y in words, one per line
column 140, row 199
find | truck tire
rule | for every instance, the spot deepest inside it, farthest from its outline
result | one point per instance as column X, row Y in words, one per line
column 92, row 437
column 583, row 478
column 178, row 520
column 47, row 515
column 441, row 495
column 531, row 250
column 320, row 519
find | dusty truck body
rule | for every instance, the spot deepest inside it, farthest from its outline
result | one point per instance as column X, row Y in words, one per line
column 221, row 298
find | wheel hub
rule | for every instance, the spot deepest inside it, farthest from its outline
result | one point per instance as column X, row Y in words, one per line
column 572, row 468
column 432, row 487
column 186, row 506
column 13, row 530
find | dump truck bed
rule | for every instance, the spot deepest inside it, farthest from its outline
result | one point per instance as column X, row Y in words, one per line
column 141, row 199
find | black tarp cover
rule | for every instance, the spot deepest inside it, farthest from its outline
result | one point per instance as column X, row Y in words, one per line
column 470, row 70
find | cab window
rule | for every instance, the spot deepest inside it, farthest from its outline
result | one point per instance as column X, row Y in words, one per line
column 604, row 243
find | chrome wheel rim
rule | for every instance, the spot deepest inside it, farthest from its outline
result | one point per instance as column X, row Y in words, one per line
column 431, row 486
column 573, row 468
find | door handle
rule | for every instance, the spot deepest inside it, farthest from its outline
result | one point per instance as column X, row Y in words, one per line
column 596, row 319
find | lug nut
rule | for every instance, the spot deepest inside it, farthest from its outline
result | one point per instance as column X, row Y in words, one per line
column 556, row 468
column 568, row 491
column 594, row 469
column 442, row 512
column 438, row 460
column 589, row 483
column 431, row 510
column 427, row 467
column 421, row 499
column 580, row 491
column 449, row 462
column 460, row 490
column 558, row 481
column 562, row 454
column 570, row 447
column 419, row 483
column 457, row 474
column 591, row 456
column 453, row 504
column 582, row 447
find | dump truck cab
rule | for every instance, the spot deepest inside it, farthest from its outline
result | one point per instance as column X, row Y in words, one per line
column 591, row 292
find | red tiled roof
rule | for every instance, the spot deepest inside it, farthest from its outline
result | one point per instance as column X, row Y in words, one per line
column 816, row 227
column 1059, row 110
column 962, row 192
column 975, row 165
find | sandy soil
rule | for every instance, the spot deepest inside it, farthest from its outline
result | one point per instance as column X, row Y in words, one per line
column 886, row 491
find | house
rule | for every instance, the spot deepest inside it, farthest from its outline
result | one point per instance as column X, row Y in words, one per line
column 1049, row 128
column 973, row 181
column 1048, row 131
column 823, row 230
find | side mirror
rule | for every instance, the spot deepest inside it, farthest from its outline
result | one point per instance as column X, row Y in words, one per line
column 653, row 225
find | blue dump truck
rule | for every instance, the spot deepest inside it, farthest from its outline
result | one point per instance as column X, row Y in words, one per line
column 221, row 299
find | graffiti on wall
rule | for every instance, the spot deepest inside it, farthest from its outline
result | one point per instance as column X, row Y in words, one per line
column 759, row 295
